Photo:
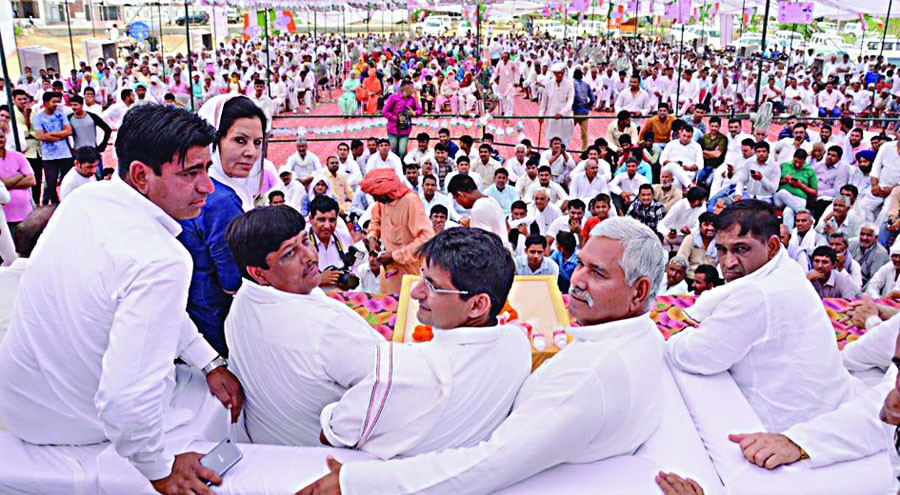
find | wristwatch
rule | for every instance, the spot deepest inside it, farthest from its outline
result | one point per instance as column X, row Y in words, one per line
column 218, row 362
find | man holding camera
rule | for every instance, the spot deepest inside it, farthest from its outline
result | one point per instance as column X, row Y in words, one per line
column 331, row 244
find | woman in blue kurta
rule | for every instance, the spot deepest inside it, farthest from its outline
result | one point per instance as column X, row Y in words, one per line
column 236, row 173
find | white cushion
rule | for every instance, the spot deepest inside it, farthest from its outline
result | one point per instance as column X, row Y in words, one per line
column 719, row 408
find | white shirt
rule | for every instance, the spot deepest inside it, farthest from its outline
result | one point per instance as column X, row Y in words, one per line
column 72, row 181
column 392, row 161
column 584, row 405
column 488, row 215
column 110, row 374
column 559, row 168
column 883, row 281
column 329, row 255
column 439, row 199
column 758, row 189
column 603, row 169
column 681, row 215
column 784, row 149
column 585, row 190
column 886, row 167
column 633, row 103
column 679, row 289
column 291, row 370
column 543, row 219
column 422, row 397
column 304, row 167
column 479, row 183
column 627, row 184
column 9, row 285
column 555, row 193
column 689, row 154
column 770, row 331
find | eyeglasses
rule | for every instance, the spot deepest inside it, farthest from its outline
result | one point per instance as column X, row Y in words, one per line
column 897, row 439
column 434, row 290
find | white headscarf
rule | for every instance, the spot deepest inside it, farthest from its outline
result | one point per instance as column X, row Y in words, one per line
column 246, row 188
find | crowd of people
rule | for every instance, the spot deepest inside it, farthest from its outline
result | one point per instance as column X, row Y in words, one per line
column 668, row 201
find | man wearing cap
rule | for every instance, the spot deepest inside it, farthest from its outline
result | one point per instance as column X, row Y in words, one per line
column 556, row 102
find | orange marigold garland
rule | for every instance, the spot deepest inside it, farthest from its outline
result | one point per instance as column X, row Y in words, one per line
column 422, row 333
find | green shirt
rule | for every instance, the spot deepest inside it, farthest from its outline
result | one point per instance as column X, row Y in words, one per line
column 707, row 143
column 805, row 174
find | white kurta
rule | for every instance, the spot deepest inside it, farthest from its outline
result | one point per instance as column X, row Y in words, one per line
column 488, row 215
column 90, row 353
column 770, row 331
column 294, row 354
column 558, row 99
column 586, row 404
column 447, row 393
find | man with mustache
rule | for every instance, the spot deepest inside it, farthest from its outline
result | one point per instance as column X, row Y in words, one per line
column 588, row 388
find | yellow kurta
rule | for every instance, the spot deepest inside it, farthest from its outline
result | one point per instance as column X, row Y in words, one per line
column 402, row 227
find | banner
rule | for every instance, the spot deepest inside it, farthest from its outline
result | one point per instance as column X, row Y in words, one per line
column 726, row 29
column 218, row 21
column 795, row 13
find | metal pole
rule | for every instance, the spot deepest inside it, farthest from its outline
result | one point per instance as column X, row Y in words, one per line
column 678, row 85
column 69, row 26
column 862, row 43
column 743, row 8
column 887, row 20
column 162, row 46
column 478, row 28
column 8, row 86
column 315, row 26
column 637, row 18
column 190, row 56
column 93, row 29
column 268, row 57
column 791, row 47
column 762, row 54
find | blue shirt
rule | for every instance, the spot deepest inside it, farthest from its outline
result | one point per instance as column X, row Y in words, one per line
column 57, row 150
column 548, row 266
column 215, row 271
column 643, row 169
column 566, row 268
column 506, row 197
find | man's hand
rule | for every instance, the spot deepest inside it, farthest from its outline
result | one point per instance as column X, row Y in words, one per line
column 737, row 197
column 329, row 277
column 385, row 258
column 686, row 230
column 814, row 275
column 227, row 389
column 768, row 450
column 464, row 221
column 557, row 116
column 756, row 174
column 188, row 477
column 330, row 484
column 861, row 310
column 672, row 484
column 373, row 245
column 574, row 225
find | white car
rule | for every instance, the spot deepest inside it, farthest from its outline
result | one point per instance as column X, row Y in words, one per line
column 430, row 28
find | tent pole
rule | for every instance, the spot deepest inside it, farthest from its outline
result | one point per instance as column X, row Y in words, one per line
column 791, row 47
column 637, row 17
column 268, row 58
column 190, row 56
column 743, row 8
column 162, row 46
column 762, row 54
column 8, row 86
column 93, row 27
column 887, row 20
column 69, row 26
column 678, row 86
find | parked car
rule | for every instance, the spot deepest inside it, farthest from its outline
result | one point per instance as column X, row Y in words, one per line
column 194, row 18
column 233, row 16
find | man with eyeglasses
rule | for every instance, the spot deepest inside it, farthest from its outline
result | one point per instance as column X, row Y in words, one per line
column 591, row 390
column 456, row 381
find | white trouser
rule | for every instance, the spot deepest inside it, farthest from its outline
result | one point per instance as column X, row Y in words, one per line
column 790, row 203
column 507, row 103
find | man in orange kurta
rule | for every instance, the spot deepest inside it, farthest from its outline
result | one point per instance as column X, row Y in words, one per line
column 397, row 229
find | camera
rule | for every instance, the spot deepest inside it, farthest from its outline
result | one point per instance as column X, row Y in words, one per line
column 347, row 280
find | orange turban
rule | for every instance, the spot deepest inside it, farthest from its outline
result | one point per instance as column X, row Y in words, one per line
column 383, row 182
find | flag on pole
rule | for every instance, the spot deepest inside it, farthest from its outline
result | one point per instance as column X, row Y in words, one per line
column 863, row 21
column 748, row 14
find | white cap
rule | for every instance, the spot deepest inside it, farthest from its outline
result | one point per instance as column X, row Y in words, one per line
column 558, row 67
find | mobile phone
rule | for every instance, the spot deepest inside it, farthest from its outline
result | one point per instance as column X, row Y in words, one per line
column 222, row 457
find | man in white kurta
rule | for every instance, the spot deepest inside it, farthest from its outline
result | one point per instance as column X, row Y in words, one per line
column 294, row 350
column 455, row 389
column 507, row 77
column 766, row 326
column 90, row 355
column 582, row 406
column 556, row 105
